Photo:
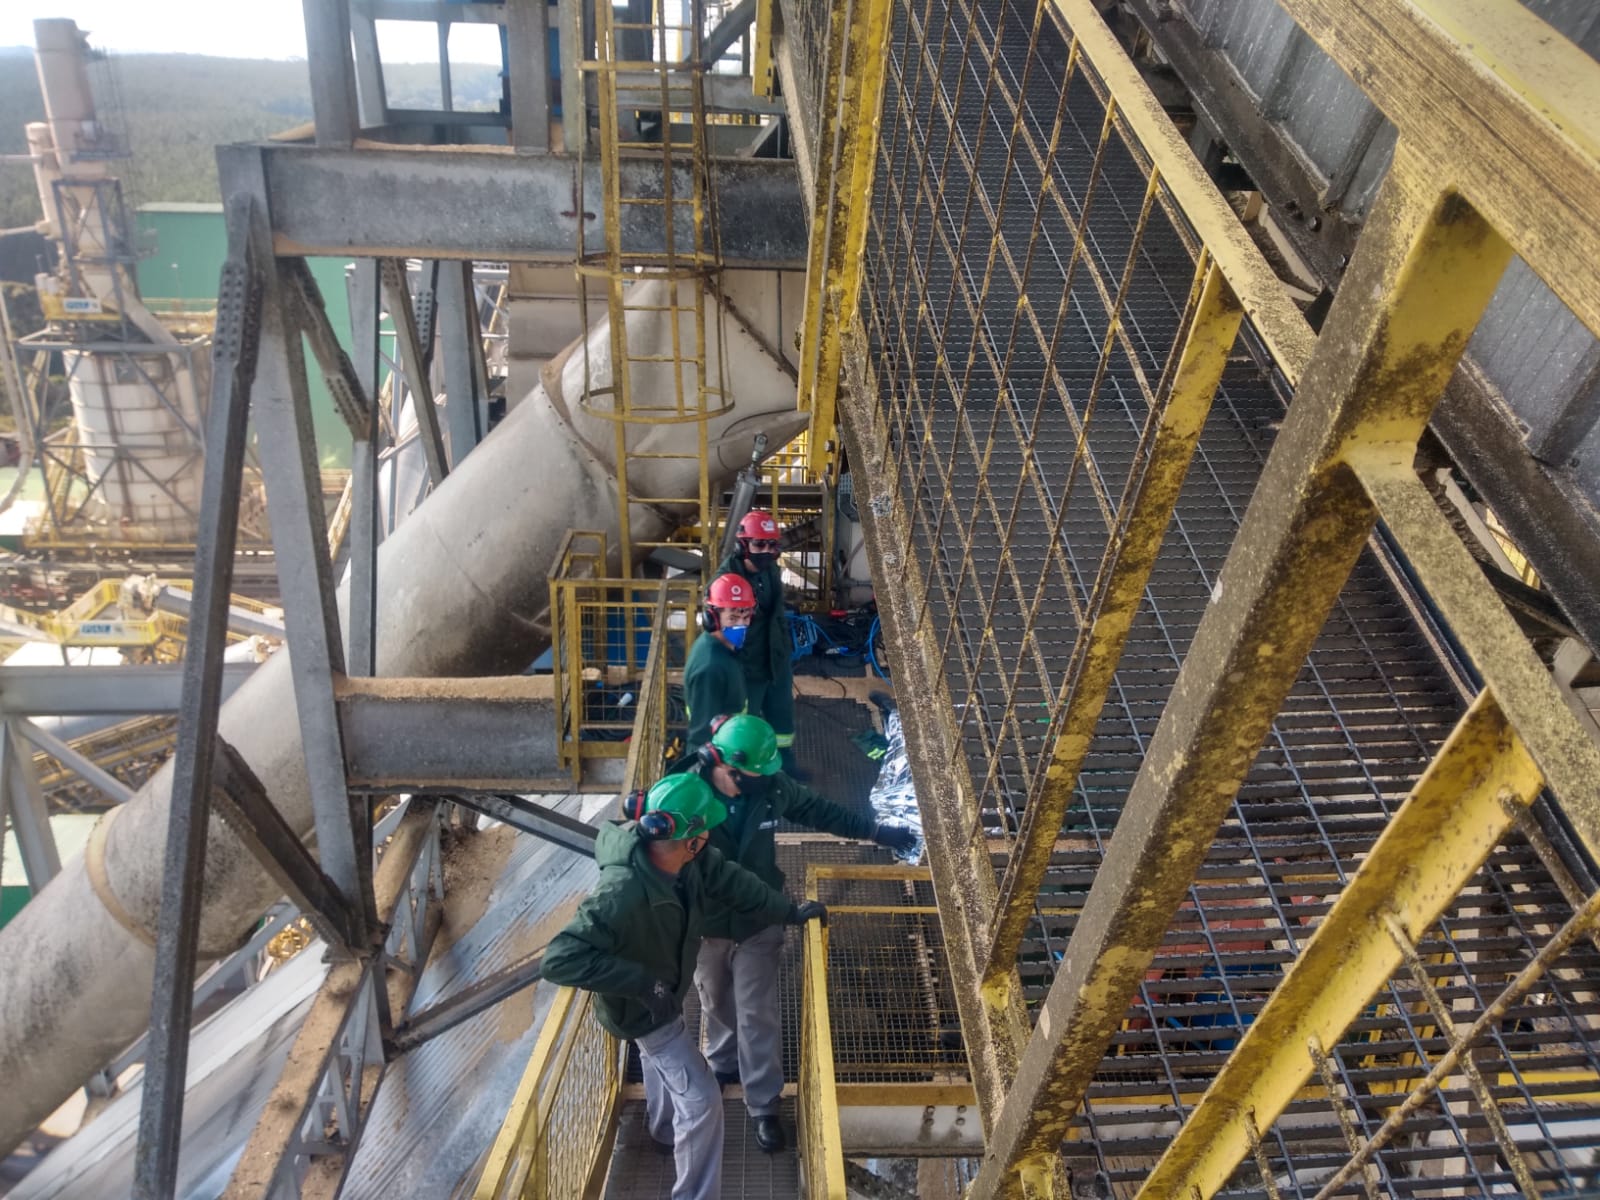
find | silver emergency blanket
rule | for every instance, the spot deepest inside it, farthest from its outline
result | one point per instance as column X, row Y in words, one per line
column 894, row 795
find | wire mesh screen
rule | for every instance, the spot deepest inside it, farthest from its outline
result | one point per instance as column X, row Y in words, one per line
column 1028, row 283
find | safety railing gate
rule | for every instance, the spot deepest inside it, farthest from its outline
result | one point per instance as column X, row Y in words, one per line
column 1209, row 811
column 603, row 631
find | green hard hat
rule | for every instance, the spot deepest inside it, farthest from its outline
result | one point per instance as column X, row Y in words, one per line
column 689, row 801
column 748, row 743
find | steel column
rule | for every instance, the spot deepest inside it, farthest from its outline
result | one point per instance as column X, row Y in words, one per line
column 1421, row 278
column 574, row 50
column 528, row 41
column 1144, row 515
column 1459, row 810
column 234, row 353
column 333, row 76
column 373, row 96
column 365, row 524
column 858, row 45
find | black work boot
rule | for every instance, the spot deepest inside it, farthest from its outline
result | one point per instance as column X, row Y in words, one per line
column 769, row 1134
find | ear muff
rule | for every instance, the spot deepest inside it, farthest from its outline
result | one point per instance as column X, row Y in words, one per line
column 658, row 826
column 708, row 619
column 633, row 805
column 708, row 757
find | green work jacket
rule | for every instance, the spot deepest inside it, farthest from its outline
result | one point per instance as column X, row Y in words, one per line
column 768, row 654
column 713, row 686
column 756, row 849
column 640, row 925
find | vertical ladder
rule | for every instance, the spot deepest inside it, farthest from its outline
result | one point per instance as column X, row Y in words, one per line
column 661, row 255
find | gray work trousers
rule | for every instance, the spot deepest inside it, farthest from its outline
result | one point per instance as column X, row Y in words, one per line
column 683, row 1106
column 738, row 984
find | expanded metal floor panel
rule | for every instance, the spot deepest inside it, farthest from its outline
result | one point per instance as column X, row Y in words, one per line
column 641, row 1172
column 1019, row 413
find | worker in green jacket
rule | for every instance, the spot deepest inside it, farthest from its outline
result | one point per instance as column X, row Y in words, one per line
column 738, row 966
column 634, row 942
column 768, row 656
column 713, row 676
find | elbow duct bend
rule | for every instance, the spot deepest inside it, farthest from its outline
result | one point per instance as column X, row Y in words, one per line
column 463, row 592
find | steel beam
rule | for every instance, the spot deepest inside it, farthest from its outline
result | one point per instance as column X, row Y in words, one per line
column 23, row 801
column 352, row 401
column 370, row 89
column 1529, row 696
column 1457, row 813
column 414, row 364
column 723, row 93
column 481, row 734
column 1423, row 273
column 365, row 523
column 242, row 801
column 108, row 783
column 102, row 691
column 728, row 31
column 444, row 1015
column 502, row 205
column 527, row 817
column 234, row 359
column 1118, row 590
column 574, row 49
column 240, row 620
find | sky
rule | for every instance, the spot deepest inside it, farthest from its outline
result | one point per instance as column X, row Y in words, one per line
column 231, row 28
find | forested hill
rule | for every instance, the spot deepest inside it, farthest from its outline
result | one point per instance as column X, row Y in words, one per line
column 175, row 108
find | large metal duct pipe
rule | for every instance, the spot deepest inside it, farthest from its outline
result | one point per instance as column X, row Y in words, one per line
column 462, row 591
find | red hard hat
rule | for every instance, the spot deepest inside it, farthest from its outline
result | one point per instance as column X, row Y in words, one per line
column 758, row 524
column 731, row 591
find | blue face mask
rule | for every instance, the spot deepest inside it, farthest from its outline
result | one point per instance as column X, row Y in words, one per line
column 734, row 635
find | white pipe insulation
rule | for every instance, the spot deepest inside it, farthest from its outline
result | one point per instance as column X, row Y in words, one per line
column 462, row 591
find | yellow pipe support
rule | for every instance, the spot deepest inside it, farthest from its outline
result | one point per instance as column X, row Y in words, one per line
column 853, row 97
column 1436, row 842
column 1422, row 275
column 1564, row 751
column 1119, row 589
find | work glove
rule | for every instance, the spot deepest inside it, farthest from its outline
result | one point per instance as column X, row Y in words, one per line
column 894, row 837
column 661, row 1002
column 807, row 910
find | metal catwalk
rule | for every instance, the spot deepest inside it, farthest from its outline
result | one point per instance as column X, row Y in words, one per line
column 1026, row 288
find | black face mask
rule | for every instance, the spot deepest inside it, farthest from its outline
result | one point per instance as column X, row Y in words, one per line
column 762, row 561
column 754, row 787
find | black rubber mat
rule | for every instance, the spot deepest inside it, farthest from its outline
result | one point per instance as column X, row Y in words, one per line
column 838, row 768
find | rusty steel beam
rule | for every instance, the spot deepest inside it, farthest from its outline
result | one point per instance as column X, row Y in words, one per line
column 1144, row 515
column 1426, row 268
column 1455, row 816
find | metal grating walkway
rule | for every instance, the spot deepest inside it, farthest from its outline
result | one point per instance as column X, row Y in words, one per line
column 1024, row 278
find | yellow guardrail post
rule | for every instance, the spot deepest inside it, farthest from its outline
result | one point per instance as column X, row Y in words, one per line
column 817, row 1105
